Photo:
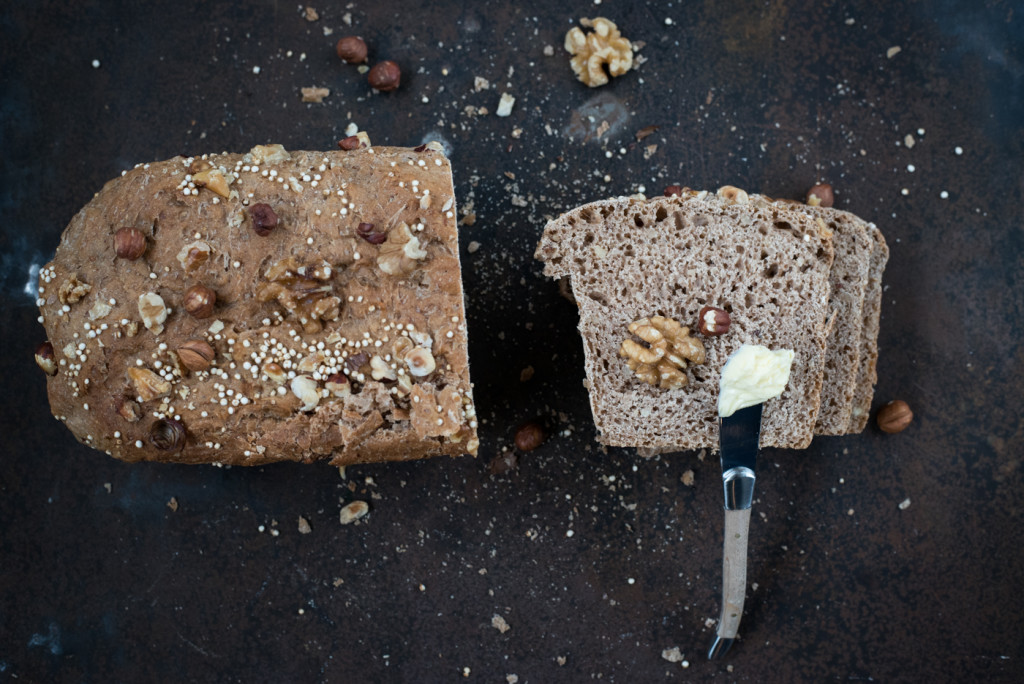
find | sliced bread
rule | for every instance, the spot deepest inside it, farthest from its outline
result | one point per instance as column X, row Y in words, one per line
column 766, row 264
column 867, row 374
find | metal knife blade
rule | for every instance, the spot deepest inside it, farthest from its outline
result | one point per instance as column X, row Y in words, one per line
column 739, row 435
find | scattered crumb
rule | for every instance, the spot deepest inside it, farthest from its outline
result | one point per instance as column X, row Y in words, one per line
column 687, row 478
column 512, row 679
column 310, row 14
column 710, row 622
column 465, row 671
column 314, row 94
column 108, row 487
column 849, row 512
column 499, row 623
column 304, row 527
column 672, row 655
column 341, row 471
column 347, row 18
column 549, row 51
column 905, row 504
column 958, row 150
column 472, row 246
column 353, row 511
column 944, row 195
column 173, row 504
column 95, row 64
column 893, row 51
column 560, row 660
column 505, row 105
column 338, row 582
column 649, row 151
column 480, row 83
column 728, row 668
column 526, row 374
column 255, row 70
column 603, row 128
column 644, row 132
column 909, row 141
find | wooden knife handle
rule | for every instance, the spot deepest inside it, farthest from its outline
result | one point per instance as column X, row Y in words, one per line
column 734, row 571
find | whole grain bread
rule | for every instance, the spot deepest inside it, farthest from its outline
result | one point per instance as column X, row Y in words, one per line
column 867, row 374
column 628, row 258
column 847, row 280
column 338, row 333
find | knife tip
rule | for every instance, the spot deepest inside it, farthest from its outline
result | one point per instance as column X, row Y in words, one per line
column 719, row 648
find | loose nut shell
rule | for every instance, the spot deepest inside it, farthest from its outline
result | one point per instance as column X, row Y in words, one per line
column 46, row 359
column 199, row 301
column 196, row 355
column 129, row 243
column 894, row 417
column 712, row 321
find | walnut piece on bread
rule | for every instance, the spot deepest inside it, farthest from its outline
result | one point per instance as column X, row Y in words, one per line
column 663, row 361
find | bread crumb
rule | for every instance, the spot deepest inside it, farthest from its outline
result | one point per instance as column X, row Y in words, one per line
column 505, row 105
column 304, row 527
column 353, row 511
column 108, row 486
column 687, row 478
column 173, row 504
column 472, row 246
column 338, row 582
column 512, row 679
column 672, row 655
column 499, row 623
column 526, row 374
column 310, row 14
column 893, row 51
column 909, row 141
column 905, row 504
column 649, row 151
column 480, row 83
column 560, row 660
column 314, row 94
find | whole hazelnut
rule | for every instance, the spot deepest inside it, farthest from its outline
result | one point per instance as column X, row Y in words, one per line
column 673, row 191
column 820, row 195
column 529, row 436
column 167, row 435
column 196, row 355
column 712, row 321
column 895, row 417
column 351, row 49
column 129, row 243
column 199, row 301
column 264, row 220
column 385, row 76
column 45, row 358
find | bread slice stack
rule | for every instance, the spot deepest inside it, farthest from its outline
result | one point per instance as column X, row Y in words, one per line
column 790, row 276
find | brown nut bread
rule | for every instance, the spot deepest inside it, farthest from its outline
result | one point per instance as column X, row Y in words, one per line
column 321, row 344
column 766, row 264
column 867, row 375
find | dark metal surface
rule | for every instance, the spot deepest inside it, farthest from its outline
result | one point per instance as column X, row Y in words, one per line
column 101, row 581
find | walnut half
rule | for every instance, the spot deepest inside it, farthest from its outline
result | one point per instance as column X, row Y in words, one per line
column 670, row 346
column 592, row 52
column 305, row 292
column 399, row 254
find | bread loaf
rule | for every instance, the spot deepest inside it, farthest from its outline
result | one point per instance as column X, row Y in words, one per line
column 867, row 374
column 243, row 309
column 766, row 264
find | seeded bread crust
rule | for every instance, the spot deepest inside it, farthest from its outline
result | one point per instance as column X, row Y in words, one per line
column 329, row 309
column 627, row 258
column 867, row 374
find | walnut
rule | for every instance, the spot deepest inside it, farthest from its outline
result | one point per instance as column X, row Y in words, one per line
column 215, row 180
column 305, row 388
column 148, row 385
column 671, row 346
column 398, row 255
column 99, row 310
column 194, row 255
column 268, row 154
column 592, row 52
column 73, row 290
column 381, row 370
column 153, row 312
column 304, row 292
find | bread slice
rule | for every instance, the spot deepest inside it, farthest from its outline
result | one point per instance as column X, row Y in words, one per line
column 867, row 374
column 847, row 279
column 627, row 258
column 329, row 338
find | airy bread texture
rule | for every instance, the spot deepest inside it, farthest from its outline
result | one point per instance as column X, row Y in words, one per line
column 765, row 263
column 314, row 334
column 867, row 374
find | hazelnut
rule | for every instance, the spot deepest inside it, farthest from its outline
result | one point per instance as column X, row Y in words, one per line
column 895, row 417
column 385, row 76
column 712, row 321
column 353, row 511
column 420, row 361
column 349, row 143
column 167, row 435
column 264, row 220
column 820, row 195
column 673, row 191
column 351, row 49
column 129, row 243
column 529, row 436
column 273, row 370
column 129, row 410
column 196, row 355
column 45, row 358
column 199, row 301
column 337, row 384
column 366, row 231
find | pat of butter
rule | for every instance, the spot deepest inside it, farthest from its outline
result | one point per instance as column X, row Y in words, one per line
column 753, row 374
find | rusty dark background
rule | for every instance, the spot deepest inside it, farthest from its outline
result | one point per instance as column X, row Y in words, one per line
column 101, row 581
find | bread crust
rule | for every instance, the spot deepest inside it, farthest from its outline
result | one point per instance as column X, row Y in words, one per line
column 311, row 295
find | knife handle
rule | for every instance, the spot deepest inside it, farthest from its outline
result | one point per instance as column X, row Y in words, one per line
column 734, row 571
